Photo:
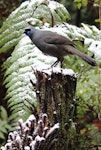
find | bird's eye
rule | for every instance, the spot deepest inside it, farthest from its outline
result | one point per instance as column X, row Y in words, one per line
column 29, row 33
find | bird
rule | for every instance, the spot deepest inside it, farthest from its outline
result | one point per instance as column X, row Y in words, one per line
column 56, row 45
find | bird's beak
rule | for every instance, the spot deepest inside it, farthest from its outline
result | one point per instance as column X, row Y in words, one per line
column 24, row 32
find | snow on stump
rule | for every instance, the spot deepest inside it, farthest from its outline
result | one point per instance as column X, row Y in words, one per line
column 55, row 90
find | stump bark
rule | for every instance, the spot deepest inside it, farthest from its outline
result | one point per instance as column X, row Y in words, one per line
column 55, row 90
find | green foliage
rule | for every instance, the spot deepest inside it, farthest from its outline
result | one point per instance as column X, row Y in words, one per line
column 4, row 124
column 89, row 90
column 88, row 95
column 20, row 94
column 14, row 25
column 83, row 3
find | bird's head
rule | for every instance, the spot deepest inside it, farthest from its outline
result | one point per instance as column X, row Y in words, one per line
column 28, row 32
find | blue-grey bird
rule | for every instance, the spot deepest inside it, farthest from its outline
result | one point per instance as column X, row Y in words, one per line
column 55, row 45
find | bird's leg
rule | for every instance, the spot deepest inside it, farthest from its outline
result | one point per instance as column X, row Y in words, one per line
column 55, row 63
column 61, row 61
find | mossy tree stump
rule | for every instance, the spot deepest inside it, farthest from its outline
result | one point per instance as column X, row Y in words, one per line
column 55, row 90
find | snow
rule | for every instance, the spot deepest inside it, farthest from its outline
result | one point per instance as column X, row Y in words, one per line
column 85, row 33
column 59, row 70
column 24, row 40
column 8, row 146
column 26, row 148
column 40, row 2
column 68, row 72
column 20, row 121
column 32, row 145
column 95, row 47
column 53, row 5
column 62, row 31
column 88, row 41
column 38, row 59
column 41, row 61
column 55, row 127
column 44, row 115
column 87, row 29
column 2, row 148
column 38, row 138
column 37, row 3
column 31, row 118
column 26, row 55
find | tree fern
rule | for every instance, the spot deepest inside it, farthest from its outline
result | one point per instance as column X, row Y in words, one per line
column 18, row 72
column 17, row 68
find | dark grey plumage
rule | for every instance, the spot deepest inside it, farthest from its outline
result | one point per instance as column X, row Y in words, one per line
column 55, row 45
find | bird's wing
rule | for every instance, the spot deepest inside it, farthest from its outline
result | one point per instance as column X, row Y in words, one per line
column 54, row 38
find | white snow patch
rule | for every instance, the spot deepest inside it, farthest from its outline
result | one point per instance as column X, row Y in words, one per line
column 95, row 47
column 32, row 145
column 53, row 5
column 88, row 30
column 62, row 31
column 31, row 118
column 60, row 70
column 25, row 40
column 38, row 138
column 88, row 41
column 55, row 127
column 40, row 1
column 26, row 148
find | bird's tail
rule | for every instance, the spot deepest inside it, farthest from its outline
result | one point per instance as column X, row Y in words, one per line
column 89, row 60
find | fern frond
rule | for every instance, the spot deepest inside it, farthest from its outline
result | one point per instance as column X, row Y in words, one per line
column 18, row 67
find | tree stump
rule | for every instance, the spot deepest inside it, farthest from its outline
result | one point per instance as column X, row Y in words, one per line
column 55, row 90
